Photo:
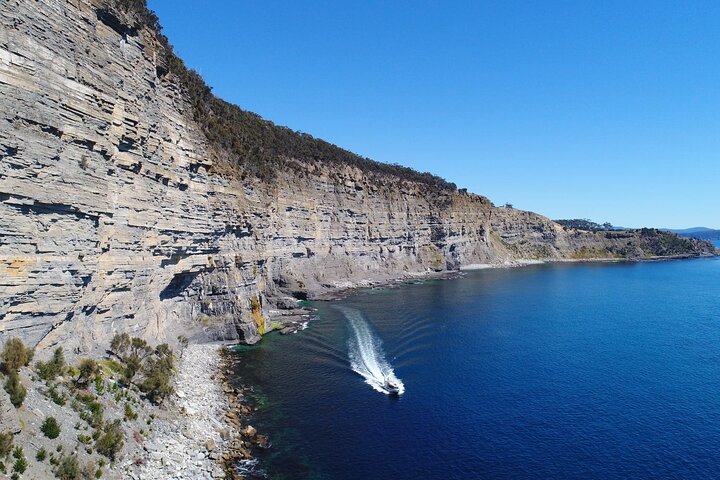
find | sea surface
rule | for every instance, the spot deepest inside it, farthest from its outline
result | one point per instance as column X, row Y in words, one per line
column 591, row 371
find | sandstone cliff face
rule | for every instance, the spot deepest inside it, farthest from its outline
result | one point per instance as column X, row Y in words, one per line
column 111, row 218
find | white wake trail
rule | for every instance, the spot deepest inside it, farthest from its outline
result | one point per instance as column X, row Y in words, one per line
column 366, row 354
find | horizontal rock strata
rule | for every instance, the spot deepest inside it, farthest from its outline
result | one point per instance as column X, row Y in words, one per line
column 112, row 217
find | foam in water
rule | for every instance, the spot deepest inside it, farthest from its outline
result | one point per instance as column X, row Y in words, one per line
column 250, row 468
column 366, row 354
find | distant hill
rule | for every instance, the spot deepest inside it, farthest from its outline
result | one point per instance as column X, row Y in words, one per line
column 703, row 233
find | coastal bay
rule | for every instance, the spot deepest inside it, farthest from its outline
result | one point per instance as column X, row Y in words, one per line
column 546, row 371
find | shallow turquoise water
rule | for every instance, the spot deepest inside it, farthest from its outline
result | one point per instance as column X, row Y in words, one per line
column 554, row 371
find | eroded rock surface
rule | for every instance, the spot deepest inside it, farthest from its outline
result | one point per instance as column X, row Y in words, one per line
column 112, row 219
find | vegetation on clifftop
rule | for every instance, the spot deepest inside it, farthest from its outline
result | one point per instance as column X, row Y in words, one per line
column 257, row 146
column 585, row 224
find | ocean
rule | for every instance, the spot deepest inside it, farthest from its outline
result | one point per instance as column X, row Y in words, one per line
column 593, row 371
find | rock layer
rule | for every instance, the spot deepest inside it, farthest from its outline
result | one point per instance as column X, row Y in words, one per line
column 113, row 219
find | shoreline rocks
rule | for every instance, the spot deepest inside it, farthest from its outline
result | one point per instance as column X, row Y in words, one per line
column 190, row 442
column 204, row 434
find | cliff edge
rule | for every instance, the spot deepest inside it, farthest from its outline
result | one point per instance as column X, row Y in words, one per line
column 123, row 209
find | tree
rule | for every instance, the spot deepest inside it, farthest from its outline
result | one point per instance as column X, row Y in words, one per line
column 50, row 428
column 158, row 374
column 6, row 442
column 88, row 368
column 52, row 368
column 15, row 355
column 20, row 460
column 120, row 344
column 68, row 468
column 15, row 389
column 139, row 350
column 111, row 440
column 132, row 352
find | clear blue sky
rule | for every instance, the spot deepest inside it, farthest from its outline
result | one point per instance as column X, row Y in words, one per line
column 608, row 110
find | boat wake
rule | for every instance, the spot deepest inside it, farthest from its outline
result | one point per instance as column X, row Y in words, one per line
column 367, row 357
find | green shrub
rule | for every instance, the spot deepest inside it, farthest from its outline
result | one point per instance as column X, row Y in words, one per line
column 20, row 465
column 20, row 461
column 87, row 370
column 86, row 439
column 129, row 412
column 99, row 384
column 50, row 428
column 41, row 455
column 68, row 468
column 258, row 147
column 6, row 442
column 15, row 355
column 158, row 374
column 52, row 368
column 111, row 441
column 15, row 389
column 93, row 410
column 56, row 397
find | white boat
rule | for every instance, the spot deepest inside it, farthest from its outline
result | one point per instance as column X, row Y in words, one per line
column 392, row 386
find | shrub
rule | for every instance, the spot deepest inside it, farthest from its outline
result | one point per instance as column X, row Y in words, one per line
column 41, row 455
column 99, row 385
column 15, row 389
column 52, row 368
column 129, row 412
column 56, row 397
column 20, row 460
column 139, row 351
column 257, row 146
column 93, row 413
column 132, row 352
column 20, row 465
column 111, row 441
column 6, row 441
column 120, row 345
column 50, row 428
column 87, row 472
column 15, row 355
column 87, row 370
column 68, row 468
column 158, row 374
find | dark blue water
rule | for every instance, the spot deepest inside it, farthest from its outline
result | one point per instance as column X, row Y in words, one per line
column 556, row 371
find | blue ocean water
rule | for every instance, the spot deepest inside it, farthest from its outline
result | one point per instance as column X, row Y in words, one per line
column 593, row 371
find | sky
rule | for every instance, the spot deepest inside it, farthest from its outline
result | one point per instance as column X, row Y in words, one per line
column 607, row 110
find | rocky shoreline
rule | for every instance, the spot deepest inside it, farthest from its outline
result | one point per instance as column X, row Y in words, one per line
column 204, row 433
column 210, row 436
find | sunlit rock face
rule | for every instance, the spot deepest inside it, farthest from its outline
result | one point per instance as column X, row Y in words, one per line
column 113, row 218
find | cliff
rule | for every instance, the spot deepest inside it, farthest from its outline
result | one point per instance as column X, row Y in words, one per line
column 120, row 212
